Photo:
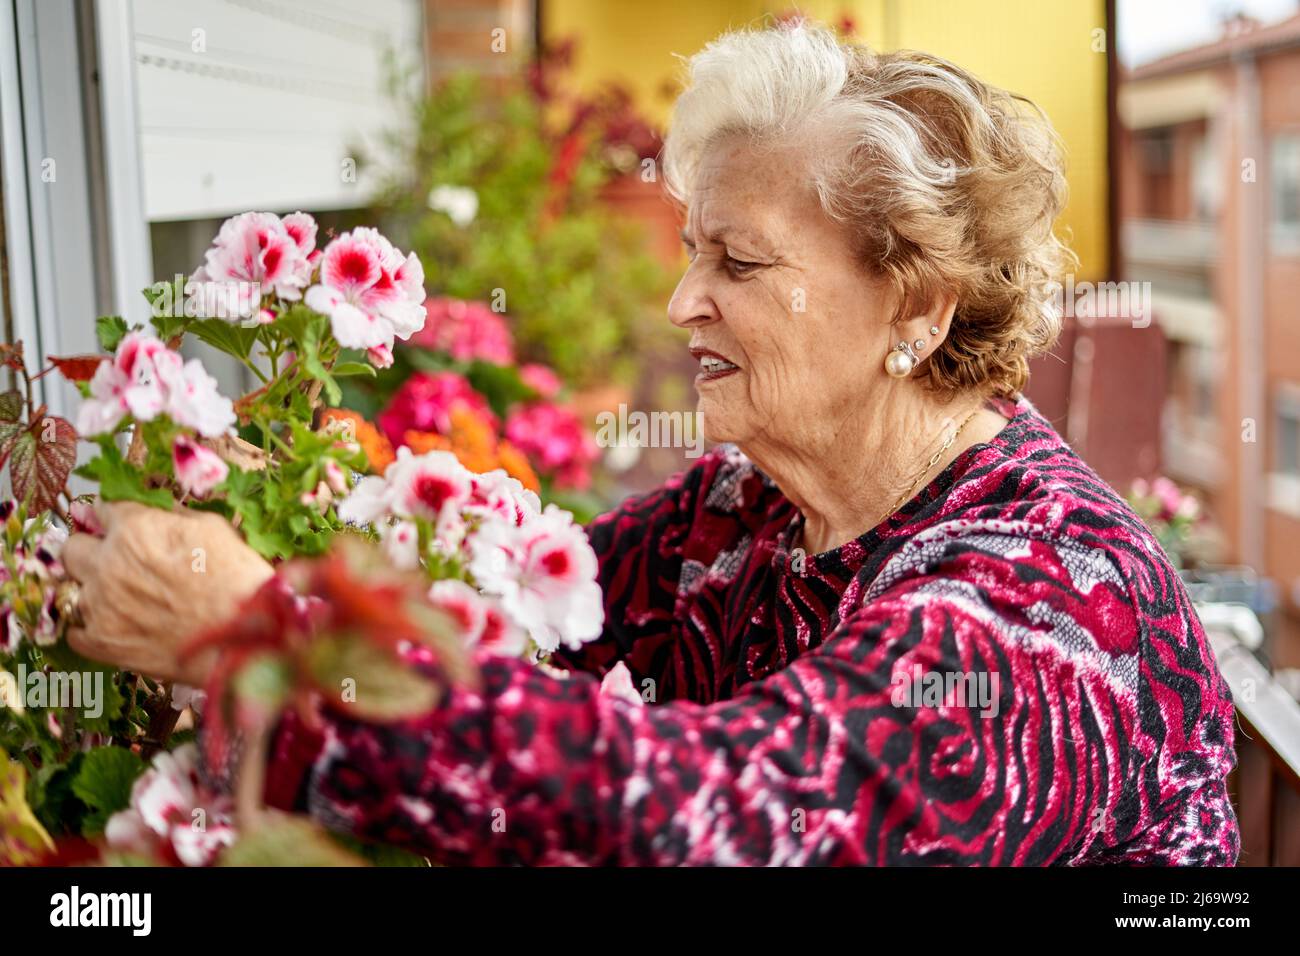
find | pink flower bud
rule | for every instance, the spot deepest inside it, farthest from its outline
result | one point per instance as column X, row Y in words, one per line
column 334, row 476
column 198, row 469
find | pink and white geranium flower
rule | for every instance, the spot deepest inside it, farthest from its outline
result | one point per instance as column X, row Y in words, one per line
column 495, row 494
column 171, row 810
column 434, row 486
column 544, row 572
column 371, row 292
column 481, row 620
column 535, row 568
column 192, row 398
column 254, row 254
column 198, row 469
column 401, row 541
column 617, row 683
column 146, row 379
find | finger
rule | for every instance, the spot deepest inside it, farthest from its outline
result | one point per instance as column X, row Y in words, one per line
column 116, row 512
column 82, row 554
column 79, row 640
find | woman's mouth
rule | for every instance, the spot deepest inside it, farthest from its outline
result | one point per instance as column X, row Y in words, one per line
column 712, row 365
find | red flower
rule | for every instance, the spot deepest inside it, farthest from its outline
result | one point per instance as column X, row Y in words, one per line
column 553, row 438
column 424, row 404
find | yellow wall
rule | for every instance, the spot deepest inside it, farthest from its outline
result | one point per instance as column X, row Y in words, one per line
column 1043, row 49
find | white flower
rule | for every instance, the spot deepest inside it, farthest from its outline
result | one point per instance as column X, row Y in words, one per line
column 496, row 494
column 544, row 572
column 369, row 501
column 183, row 695
column 147, row 379
column 401, row 541
column 127, row 384
column 617, row 683
column 481, row 620
column 371, row 292
column 192, row 398
column 434, row 485
column 164, row 801
column 254, row 253
column 460, row 203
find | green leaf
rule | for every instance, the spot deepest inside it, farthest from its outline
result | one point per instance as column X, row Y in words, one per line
column 380, row 854
column 168, row 327
column 119, row 481
column 11, row 409
column 315, row 367
column 51, row 797
column 354, row 368
column 110, row 330
column 61, row 657
column 309, row 329
column 266, row 681
column 283, row 840
column 11, row 406
column 166, row 298
column 500, row 384
column 43, row 457
column 383, row 688
column 424, row 360
column 9, row 433
column 233, row 339
column 104, row 784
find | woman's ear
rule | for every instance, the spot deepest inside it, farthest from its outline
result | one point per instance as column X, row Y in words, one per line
column 936, row 321
column 924, row 332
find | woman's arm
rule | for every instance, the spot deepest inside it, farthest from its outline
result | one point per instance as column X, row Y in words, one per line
column 845, row 756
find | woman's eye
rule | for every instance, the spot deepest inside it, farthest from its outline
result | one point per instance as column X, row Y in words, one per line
column 740, row 267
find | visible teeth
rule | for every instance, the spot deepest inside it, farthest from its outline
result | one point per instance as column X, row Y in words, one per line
column 709, row 363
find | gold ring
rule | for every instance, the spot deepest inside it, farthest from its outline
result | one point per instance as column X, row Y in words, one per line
column 67, row 599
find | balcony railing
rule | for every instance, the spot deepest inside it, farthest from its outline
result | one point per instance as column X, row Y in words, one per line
column 1266, row 784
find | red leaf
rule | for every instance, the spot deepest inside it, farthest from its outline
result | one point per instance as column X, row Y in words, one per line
column 43, row 456
column 77, row 368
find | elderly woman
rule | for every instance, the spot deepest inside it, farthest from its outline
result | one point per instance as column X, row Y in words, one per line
column 891, row 619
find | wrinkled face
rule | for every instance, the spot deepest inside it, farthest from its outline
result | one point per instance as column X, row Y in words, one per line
column 790, row 330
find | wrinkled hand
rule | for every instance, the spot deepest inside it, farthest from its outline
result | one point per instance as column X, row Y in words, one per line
column 155, row 580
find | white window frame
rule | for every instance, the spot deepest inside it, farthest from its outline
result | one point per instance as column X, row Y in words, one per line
column 77, row 247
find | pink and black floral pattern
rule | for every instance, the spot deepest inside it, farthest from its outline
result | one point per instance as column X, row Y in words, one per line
column 775, row 735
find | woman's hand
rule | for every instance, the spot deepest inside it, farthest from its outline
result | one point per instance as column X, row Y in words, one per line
column 155, row 580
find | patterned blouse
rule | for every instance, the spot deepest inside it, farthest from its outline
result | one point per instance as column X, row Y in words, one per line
column 1005, row 672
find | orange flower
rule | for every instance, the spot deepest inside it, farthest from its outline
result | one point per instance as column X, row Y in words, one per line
column 516, row 465
column 473, row 439
column 421, row 443
column 379, row 451
column 474, row 442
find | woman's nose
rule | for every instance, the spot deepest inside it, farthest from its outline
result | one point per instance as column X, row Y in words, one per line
column 691, row 304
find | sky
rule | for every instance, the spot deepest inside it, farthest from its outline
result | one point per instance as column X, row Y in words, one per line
column 1148, row 29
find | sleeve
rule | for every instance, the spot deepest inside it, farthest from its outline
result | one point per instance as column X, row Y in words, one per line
column 969, row 713
column 640, row 547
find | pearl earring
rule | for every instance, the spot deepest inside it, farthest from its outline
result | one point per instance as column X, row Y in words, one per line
column 901, row 360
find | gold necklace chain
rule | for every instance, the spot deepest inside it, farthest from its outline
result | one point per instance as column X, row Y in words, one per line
column 934, row 459
column 928, row 465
